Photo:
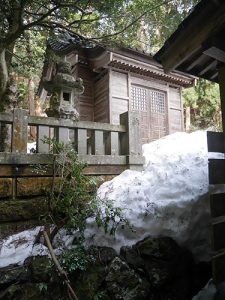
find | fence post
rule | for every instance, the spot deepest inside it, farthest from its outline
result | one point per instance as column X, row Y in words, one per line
column 130, row 142
column 20, row 130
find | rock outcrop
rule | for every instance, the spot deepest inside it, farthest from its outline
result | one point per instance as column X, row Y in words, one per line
column 154, row 268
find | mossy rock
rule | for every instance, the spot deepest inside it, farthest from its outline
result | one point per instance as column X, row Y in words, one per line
column 11, row 275
column 23, row 292
column 87, row 283
column 41, row 269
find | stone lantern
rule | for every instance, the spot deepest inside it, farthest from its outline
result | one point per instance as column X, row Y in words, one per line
column 64, row 89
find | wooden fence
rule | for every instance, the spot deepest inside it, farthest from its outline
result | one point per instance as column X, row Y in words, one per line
column 107, row 149
column 216, row 144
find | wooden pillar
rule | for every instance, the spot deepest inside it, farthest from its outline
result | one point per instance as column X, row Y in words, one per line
column 63, row 135
column 130, row 142
column 112, row 143
column 222, row 93
column 20, row 130
column 81, row 141
column 97, row 143
column 19, row 139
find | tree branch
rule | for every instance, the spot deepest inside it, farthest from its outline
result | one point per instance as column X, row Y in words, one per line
column 42, row 18
column 59, row 268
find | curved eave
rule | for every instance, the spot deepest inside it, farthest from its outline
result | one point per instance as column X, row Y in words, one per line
column 174, row 78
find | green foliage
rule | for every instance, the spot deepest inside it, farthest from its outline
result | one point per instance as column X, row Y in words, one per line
column 204, row 103
column 72, row 198
column 109, row 217
column 77, row 259
column 29, row 54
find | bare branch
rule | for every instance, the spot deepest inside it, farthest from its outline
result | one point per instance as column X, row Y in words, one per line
column 43, row 17
column 62, row 272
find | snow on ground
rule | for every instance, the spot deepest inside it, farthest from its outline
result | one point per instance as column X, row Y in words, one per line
column 31, row 147
column 16, row 248
column 170, row 197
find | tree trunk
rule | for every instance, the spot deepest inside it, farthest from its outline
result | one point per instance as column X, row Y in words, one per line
column 187, row 118
column 4, row 77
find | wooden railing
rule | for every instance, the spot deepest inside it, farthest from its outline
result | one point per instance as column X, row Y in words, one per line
column 106, row 148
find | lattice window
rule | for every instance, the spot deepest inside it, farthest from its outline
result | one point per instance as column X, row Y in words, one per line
column 157, row 102
column 158, row 114
column 138, row 98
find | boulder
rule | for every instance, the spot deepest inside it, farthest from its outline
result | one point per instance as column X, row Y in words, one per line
column 41, row 269
column 124, row 283
column 157, row 247
column 11, row 275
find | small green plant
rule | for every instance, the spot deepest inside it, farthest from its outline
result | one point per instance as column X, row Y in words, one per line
column 72, row 198
column 77, row 259
column 109, row 217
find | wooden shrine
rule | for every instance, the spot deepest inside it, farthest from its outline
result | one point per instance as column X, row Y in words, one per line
column 120, row 80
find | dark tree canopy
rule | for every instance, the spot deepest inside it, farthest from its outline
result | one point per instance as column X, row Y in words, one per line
column 25, row 26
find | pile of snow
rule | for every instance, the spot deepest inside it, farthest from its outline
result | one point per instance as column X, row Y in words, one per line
column 170, row 197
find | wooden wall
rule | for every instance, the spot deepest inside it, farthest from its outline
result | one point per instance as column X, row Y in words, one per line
column 119, row 95
column 108, row 95
column 101, row 98
column 120, row 101
column 86, row 100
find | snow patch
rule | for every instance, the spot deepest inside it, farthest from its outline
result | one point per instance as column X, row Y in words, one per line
column 16, row 248
column 170, row 197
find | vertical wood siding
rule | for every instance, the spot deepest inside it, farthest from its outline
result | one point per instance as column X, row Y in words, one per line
column 175, row 110
column 101, row 104
column 119, row 95
column 86, row 100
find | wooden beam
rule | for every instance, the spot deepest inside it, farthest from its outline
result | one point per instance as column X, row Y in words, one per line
column 103, row 159
column 218, row 267
column 54, row 122
column 6, row 117
column 217, row 205
column 213, row 76
column 216, row 171
column 215, row 141
column 196, row 61
column 218, row 229
column 25, row 159
column 208, row 66
column 216, row 53
column 104, row 170
column 9, row 171
column 222, row 93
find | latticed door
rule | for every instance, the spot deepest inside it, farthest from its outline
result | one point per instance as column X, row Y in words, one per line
column 158, row 114
column 152, row 107
column 139, row 103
